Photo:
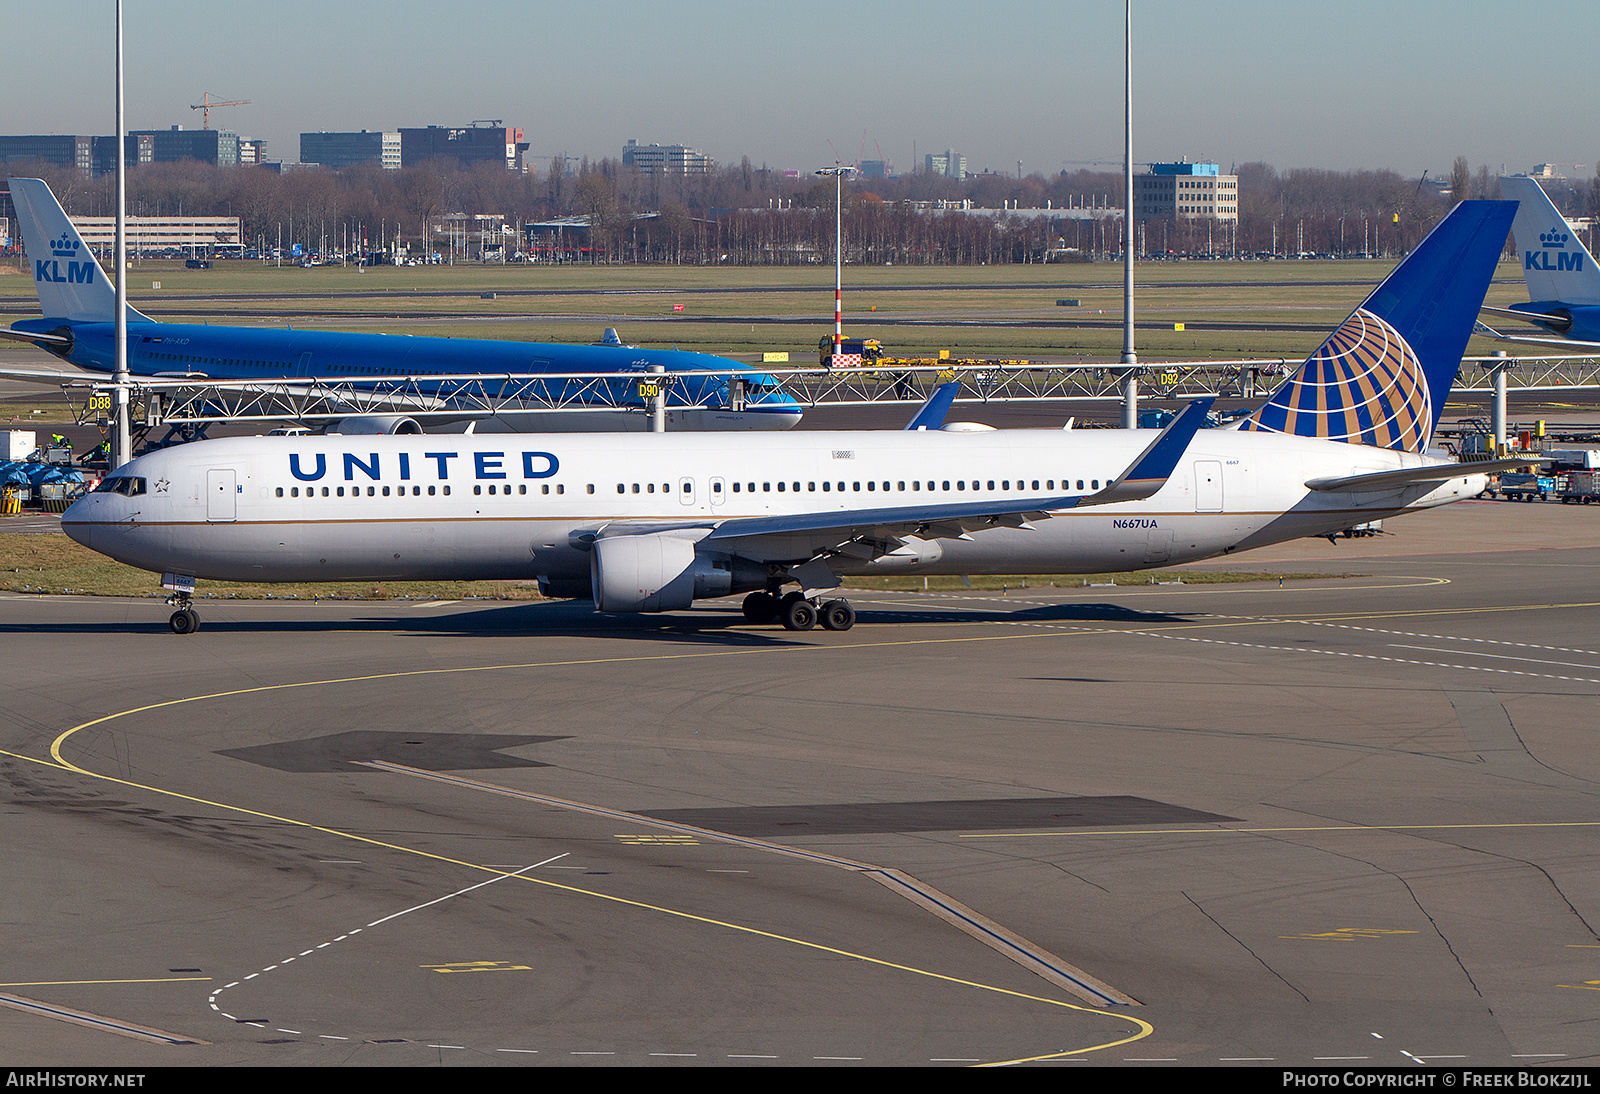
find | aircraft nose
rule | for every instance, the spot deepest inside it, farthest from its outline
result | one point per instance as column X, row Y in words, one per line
column 77, row 521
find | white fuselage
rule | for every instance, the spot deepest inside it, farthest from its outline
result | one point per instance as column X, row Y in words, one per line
column 527, row 506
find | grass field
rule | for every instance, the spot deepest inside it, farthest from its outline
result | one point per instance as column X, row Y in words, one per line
column 53, row 564
column 972, row 311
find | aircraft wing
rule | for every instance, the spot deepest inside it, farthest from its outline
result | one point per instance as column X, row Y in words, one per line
column 1142, row 478
column 48, row 376
column 1406, row 476
column 803, row 543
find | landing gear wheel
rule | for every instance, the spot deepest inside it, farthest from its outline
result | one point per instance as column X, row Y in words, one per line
column 761, row 607
column 797, row 614
column 184, row 621
column 838, row 615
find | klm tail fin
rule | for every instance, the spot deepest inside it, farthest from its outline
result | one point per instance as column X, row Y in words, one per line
column 1555, row 263
column 70, row 283
column 1382, row 378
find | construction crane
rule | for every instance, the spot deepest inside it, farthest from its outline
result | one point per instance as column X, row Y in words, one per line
column 207, row 102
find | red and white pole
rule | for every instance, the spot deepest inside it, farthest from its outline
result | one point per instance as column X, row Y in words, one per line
column 838, row 173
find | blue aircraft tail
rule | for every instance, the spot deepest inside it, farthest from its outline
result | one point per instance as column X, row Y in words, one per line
column 1382, row 378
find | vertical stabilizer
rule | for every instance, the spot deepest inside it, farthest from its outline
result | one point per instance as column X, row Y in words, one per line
column 1555, row 263
column 1382, row 378
column 70, row 283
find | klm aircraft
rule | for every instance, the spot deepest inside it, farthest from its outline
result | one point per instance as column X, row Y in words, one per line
column 1563, row 283
column 78, row 325
column 652, row 522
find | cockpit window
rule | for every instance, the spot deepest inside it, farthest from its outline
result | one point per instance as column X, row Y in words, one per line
column 129, row 486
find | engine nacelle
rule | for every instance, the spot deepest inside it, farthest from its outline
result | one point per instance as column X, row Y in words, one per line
column 663, row 572
column 369, row 425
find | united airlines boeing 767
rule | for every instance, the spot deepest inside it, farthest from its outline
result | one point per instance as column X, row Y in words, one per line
column 653, row 522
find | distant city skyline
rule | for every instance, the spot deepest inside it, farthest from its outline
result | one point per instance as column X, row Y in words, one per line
column 1348, row 85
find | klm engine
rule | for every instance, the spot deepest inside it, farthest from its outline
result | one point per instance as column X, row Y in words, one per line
column 664, row 572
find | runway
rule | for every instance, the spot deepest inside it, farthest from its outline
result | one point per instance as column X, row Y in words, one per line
column 1346, row 820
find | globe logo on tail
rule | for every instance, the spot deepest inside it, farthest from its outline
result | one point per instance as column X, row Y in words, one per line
column 1363, row 386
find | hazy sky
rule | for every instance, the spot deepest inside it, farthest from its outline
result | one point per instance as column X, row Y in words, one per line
column 1407, row 84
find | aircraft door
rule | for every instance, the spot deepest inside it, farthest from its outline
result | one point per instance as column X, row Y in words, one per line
column 719, row 492
column 686, row 491
column 222, row 491
column 1208, row 486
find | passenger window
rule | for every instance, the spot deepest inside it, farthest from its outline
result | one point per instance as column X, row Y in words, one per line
column 280, row 491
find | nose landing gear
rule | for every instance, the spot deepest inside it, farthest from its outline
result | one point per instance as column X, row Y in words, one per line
column 185, row 620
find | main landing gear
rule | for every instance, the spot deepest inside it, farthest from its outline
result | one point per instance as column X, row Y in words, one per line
column 185, row 620
column 796, row 613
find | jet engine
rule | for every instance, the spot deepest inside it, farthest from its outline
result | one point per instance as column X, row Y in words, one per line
column 663, row 572
column 367, row 425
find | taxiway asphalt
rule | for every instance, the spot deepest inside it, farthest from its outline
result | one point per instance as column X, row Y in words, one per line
column 1346, row 820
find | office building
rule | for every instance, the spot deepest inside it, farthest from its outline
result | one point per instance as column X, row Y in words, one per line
column 1177, row 191
column 665, row 159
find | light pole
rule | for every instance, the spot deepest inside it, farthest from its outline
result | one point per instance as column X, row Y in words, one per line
column 838, row 174
column 1130, row 376
column 121, row 439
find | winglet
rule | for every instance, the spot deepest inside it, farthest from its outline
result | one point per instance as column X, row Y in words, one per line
column 1150, row 472
column 934, row 409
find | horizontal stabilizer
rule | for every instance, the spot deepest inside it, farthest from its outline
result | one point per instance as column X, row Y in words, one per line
column 1406, row 476
column 1548, row 320
column 38, row 338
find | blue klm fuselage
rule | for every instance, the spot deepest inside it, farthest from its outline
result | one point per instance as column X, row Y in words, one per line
column 248, row 353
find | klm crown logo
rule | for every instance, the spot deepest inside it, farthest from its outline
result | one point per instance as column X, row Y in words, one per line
column 1553, row 238
column 65, row 247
